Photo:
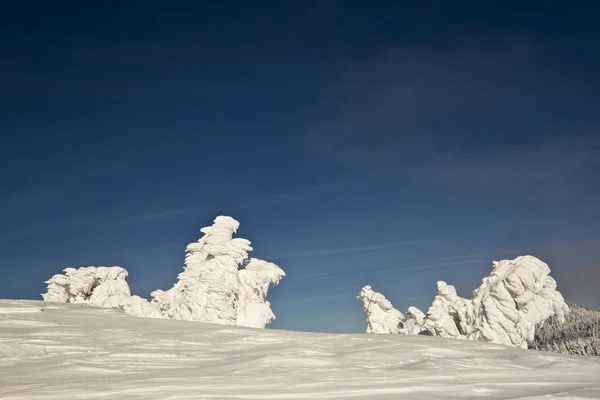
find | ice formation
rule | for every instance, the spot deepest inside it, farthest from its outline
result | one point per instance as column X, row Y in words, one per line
column 511, row 301
column 102, row 286
column 381, row 316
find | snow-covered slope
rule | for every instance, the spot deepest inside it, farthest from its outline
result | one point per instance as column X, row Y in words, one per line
column 76, row 351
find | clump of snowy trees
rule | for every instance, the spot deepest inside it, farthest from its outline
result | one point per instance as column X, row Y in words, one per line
column 580, row 334
column 219, row 284
column 517, row 296
column 102, row 286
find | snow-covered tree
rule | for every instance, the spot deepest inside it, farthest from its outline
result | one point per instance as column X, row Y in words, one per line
column 381, row 316
column 219, row 284
column 102, row 286
column 212, row 288
column 254, row 280
column 579, row 334
column 208, row 287
column 518, row 295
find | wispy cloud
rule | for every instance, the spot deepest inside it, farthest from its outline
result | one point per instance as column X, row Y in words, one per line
column 466, row 260
column 299, row 191
column 72, row 224
column 348, row 250
column 410, row 102
column 169, row 214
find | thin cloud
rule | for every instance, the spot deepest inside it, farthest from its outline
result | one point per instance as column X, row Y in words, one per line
column 439, row 263
column 292, row 193
column 348, row 250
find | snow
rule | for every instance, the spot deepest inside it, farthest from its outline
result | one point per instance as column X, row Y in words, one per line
column 57, row 351
column 219, row 284
column 517, row 295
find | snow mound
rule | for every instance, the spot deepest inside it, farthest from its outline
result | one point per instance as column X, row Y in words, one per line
column 517, row 295
column 102, row 286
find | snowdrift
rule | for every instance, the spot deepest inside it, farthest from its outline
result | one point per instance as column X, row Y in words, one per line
column 219, row 284
column 55, row 351
column 517, row 295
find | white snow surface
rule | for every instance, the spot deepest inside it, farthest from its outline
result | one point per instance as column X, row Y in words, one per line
column 57, row 351
column 516, row 296
column 219, row 284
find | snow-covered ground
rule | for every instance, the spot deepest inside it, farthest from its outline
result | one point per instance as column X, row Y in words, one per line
column 75, row 351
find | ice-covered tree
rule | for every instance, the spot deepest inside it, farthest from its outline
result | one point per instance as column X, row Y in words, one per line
column 380, row 315
column 581, row 326
column 254, row 280
column 517, row 295
column 219, row 284
column 208, row 287
column 102, row 286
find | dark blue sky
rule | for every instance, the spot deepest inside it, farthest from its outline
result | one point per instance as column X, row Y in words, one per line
column 356, row 142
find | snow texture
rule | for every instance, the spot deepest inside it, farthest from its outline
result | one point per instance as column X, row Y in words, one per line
column 380, row 315
column 219, row 284
column 57, row 351
column 518, row 295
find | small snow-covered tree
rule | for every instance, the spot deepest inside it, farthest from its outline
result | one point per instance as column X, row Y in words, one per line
column 582, row 325
column 254, row 280
column 102, row 286
column 380, row 315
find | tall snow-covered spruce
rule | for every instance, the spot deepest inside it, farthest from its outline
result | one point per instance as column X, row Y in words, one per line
column 212, row 288
column 517, row 295
column 219, row 284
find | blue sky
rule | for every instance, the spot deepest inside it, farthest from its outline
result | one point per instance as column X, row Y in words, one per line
column 379, row 143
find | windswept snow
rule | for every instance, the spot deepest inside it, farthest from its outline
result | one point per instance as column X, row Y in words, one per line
column 56, row 351
column 518, row 295
column 219, row 284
